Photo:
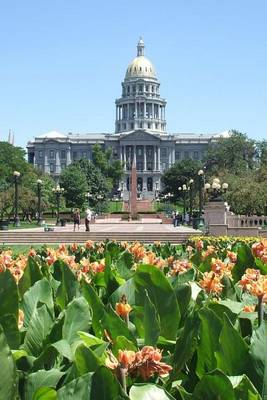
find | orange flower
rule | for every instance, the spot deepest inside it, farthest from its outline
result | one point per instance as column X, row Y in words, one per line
column 32, row 253
column 211, row 283
column 123, row 309
column 250, row 275
column 199, row 245
column 89, row 244
column 210, row 250
column 232, row 256
column 258, row 249
column 126, row 358
column 180, row 266
column 249, row 308
column 74, row 247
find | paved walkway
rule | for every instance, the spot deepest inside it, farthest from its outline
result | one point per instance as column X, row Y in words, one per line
column 117, row 227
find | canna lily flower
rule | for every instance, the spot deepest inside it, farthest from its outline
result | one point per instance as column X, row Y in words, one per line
column 199, row 245
column 180, row 266
column 249, row 309
column 258, row 249
column 123, row 309
column 232, row 256
column 211, row 283
column 210, row 250
column 89, row 244
column 32, row 252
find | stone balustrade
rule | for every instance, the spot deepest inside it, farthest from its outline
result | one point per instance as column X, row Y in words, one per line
column 242, row 221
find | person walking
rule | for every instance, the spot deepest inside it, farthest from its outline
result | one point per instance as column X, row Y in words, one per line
column 177, row 218
column 76, row 219
column 88, row 217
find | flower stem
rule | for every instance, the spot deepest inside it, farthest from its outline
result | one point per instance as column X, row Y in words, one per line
column 122, row 378
column 260, row 310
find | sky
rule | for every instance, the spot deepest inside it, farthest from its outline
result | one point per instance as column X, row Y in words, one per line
column 62, row 63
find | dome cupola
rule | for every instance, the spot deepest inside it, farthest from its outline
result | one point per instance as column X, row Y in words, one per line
column 141, row 66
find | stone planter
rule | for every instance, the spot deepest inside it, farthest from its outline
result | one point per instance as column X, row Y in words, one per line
column 3, row 225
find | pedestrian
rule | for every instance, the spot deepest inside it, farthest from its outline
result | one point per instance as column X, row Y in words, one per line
column 186, row 219
column 177, row 218
column 76, row 219
column 174, row 218
column 88, row 217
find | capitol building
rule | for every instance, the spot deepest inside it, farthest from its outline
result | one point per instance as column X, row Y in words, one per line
column 140, row 134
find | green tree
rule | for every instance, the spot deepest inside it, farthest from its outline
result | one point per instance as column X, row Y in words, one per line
column 235, row 154
column 180, row 173
column 96, row 181
column 74, row 182
column 111, row 168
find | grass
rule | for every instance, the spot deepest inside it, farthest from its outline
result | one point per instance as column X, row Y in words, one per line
column 114, row 206
column 23, row 248
column 30, row 225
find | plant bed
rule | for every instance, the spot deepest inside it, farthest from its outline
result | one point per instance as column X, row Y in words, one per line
column 110, row 320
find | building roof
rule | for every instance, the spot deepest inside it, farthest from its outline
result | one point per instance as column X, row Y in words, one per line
column 52, row 135
column 140, row 66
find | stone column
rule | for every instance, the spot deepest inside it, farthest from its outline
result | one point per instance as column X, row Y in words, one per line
column 68, row 158
column 124, row 156
column 155, row 159
column 57, row 162
column 145, row 158
column 144, row 110
column 46, row 166
column 135, row 110
column 170, row 157
column 134, row 154
column 159, row 169
column 153, row 111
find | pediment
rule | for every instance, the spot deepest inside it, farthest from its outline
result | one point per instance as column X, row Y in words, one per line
column 139, row 136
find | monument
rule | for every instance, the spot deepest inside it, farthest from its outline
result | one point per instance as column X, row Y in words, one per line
column 133, row 192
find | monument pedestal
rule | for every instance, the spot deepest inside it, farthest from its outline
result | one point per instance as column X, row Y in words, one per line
column 215, row 218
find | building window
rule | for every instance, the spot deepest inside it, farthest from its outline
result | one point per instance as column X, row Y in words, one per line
column 51, row 154
column 128, row 89
column 156, row 126
column 63, row 154
column 63, row 166
column 147, row 88
column 186, row 155
column 139, row 151
column 149, row 151
column 40, row 167
column 140, row 88
column 115, row 151
column 140, row 166
column 119, row 127
column 140, row 125
column 52, row 168
column 164, row 166
column 74, row 155
column 132, row 125
column 177, row 155
column 149, row 125
column 164, row 152
column 152, row 89
column 124, row 127
column 149, row 166
column 196, row 156
column 84, row 154
column 40, row 153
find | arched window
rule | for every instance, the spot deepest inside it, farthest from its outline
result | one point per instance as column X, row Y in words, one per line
column 139, row 184
column 150, row 184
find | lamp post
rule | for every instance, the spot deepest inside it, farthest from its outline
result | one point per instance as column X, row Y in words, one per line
column 184, row 189
column 190, row 188
column 58, row 192
column 215, row 189
column 88, row 196
column 200, row 188
column 39, row 192
column 157, row 190
column 16, row 175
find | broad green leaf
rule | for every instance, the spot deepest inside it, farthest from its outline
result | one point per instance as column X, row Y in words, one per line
column 243, row 388
column 63, row 348
column 245, row 260
column 148, row 391
column 258, row 352
column 235, row 306
column 186, row 343
column 96, row 305
column 86, row 360
column 41, row 379
column 121, row 343
column 67, row 289
column 31, row 274
column 11, row 330
column 128, row 289
column 151, row 322
column 77, row 318
column 183, row 294
column 79, row 388
column 45, row 393
column 232, row 356
column 105, row 386
column 8, row 374
column 214, row 386
column 89, row 340
column 38, row 329
column 40, row 292
column 162, row 296
column 9, row 298
column 115, row 325
column 210, row 329
column 124, row 265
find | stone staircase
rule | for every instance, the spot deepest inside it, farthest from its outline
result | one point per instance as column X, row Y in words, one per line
column 40, row 237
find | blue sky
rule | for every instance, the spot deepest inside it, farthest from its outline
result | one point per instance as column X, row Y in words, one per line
column 62, row 63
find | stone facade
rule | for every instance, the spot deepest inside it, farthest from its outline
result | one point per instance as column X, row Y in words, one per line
column 140, row 134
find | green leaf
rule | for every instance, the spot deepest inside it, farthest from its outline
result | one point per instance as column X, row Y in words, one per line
column 213, row 386
column 162, row 296
column 77, row 318
column 89, row 340
column 79, row 388
column 121, row 343
column 8, row 374
column 124, row 265
column 9, row 298
column 128, row 289
column 41, row 379
column 183, row 294
column 105, row 386
column 96, row 305
column 11, row 330
column 210, row 329
column 258, row 352
column 86, row 360
column 115, row 325
column 40, row 292
column 45, row 393
column 30, row 275
column 243, row 388
column 68, row 284
column 148, row 391
column 63, row 348
column 245, row 259
column 39, row 327
column 232, row 356
column 151, row 322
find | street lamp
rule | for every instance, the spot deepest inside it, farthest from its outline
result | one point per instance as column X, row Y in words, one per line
column 16, row 175
column 190, row 188
column 184, row 189
column 201, row 180
column 88, row 196
column 39, row 186
column 157, row 190
column 216, row 189
column 58, row 192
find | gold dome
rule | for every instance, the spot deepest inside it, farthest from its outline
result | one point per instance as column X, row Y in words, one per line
column 140, row 67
